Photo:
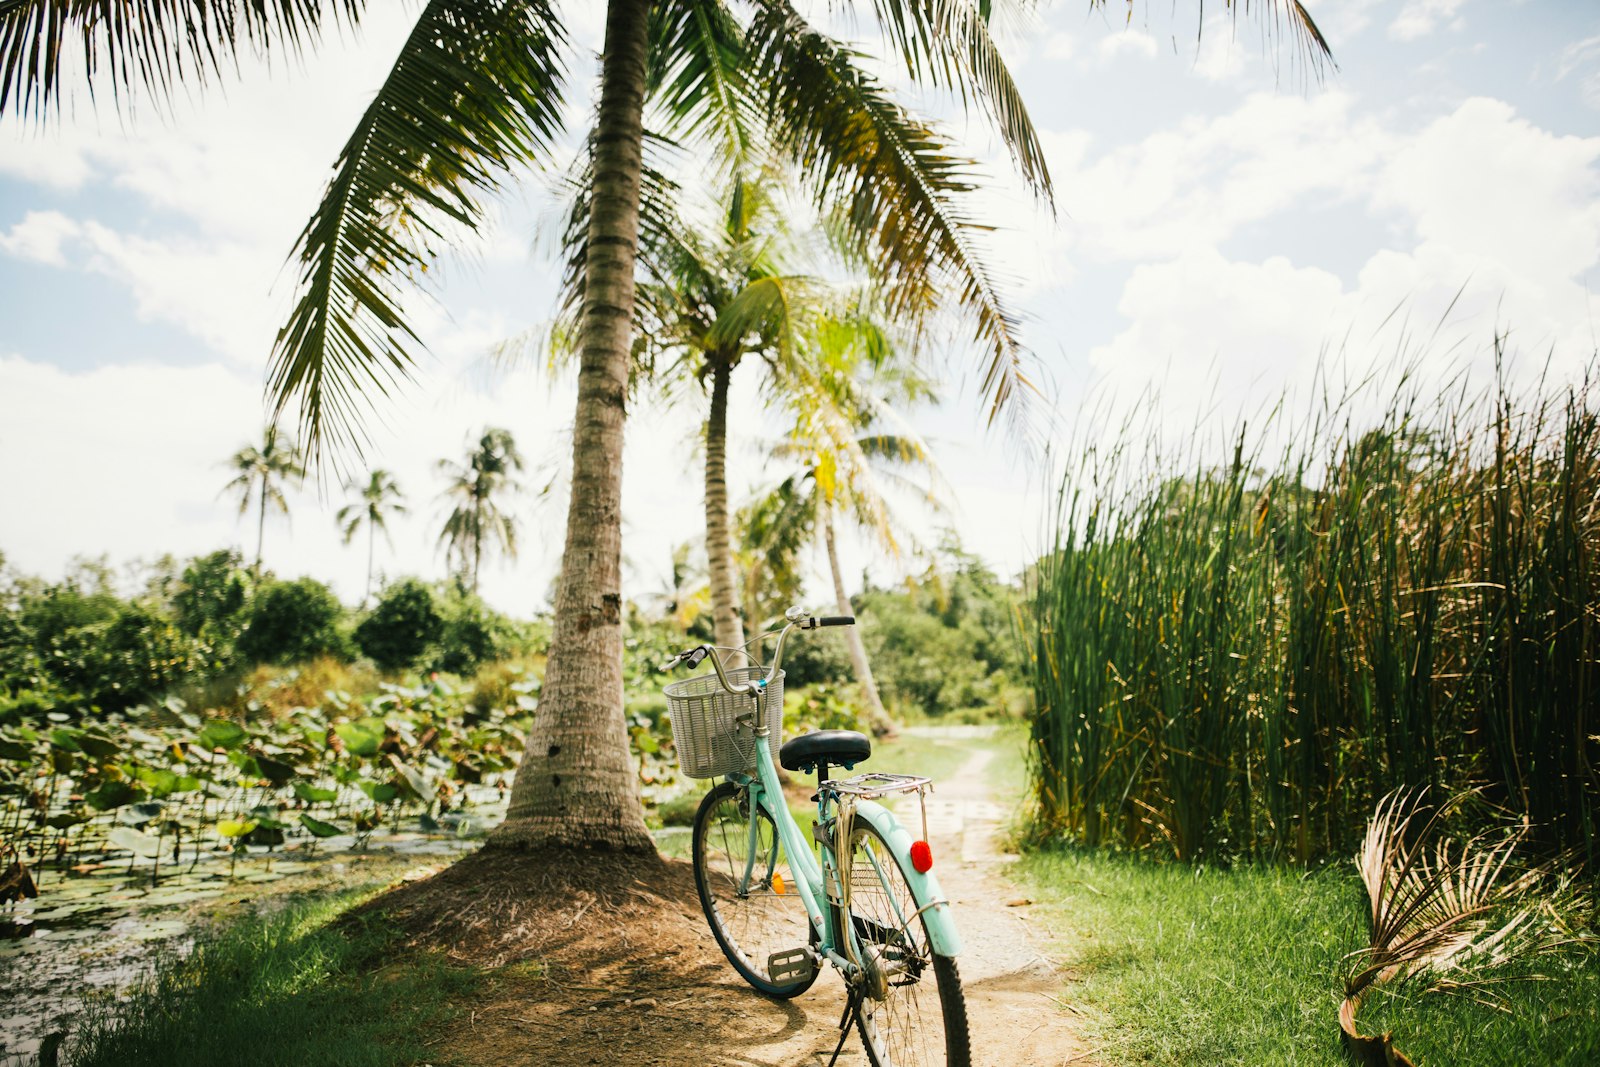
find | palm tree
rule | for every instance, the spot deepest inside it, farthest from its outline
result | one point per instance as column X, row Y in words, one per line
column 477, row 522
column 379, row 498
column 707, row 301
column 474, row 95
column 846, row 452
column 262, row 473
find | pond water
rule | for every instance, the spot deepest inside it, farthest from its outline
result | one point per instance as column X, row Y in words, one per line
column 99, row 927
column 96, row 930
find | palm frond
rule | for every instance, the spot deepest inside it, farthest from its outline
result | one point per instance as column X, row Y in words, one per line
column 946, row 43
column 697, row 75
column 474, row 94
column 151, row 44
column 1447, row 911
column 899, row 184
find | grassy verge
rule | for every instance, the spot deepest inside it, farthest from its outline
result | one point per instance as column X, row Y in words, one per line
column 282, row 989
column 1171, row 964
column 937, row 757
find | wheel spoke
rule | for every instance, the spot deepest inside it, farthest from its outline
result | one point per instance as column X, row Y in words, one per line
column 753, row 926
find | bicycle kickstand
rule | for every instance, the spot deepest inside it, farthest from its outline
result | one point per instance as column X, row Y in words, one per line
column 852, row 1009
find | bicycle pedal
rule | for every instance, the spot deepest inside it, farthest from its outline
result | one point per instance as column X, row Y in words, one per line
column 795, row 965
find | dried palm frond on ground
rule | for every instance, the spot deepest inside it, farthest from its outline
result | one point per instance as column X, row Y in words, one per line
column 1447, row 911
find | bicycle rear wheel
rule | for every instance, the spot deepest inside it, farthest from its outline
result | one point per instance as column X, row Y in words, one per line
column 914, row 1013
column 764, row 917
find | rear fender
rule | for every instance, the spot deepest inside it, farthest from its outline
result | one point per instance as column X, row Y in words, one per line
column 924, row 887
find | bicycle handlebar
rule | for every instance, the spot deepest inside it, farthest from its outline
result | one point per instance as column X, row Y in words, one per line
column 694, row 656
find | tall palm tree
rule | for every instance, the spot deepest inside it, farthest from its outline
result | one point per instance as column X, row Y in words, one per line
column 375, row 501
column 262, row 472
column 478, row 487
column 847, row 455
column 474, row 95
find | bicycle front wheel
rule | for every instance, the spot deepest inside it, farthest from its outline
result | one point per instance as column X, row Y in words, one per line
column 913, row 1013
column 747, row 889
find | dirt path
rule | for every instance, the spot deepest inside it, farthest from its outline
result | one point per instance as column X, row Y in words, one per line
column 1010, row 981
column 652, row 989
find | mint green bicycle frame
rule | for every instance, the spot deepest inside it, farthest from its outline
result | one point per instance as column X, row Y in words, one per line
column 810, row 876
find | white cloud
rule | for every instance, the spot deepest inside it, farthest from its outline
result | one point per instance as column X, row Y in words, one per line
column 1127, row 43
column 39, row 238
column 1421, row 17
column 1496, row 229
column 1583, row 58
column 1060, row 46
column 1490, row 184
column 1341, row 20
column 1196, row 183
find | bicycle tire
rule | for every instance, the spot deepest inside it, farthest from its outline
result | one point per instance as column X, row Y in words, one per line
column 897, row 1030
column 768, row 919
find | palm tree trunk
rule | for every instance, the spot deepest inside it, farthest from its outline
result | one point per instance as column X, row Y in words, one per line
column 261, row 523
column 724, row 611
column 477, row 555
column 576, row 785
column 878, row 720
column 372, row 545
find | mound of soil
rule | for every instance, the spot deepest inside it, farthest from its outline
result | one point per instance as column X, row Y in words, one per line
column 596, row 958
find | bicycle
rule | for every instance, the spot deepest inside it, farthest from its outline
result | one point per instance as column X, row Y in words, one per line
column 780, row 909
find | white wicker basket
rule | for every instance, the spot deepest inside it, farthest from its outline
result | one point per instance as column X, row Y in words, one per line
column 709, row 739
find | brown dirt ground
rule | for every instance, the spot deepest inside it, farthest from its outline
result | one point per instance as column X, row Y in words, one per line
column 600, row 958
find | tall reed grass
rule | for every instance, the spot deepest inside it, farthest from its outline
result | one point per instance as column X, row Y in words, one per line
column 1238, row 658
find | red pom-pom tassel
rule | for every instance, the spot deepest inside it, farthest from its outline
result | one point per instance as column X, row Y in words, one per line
column 921, row 856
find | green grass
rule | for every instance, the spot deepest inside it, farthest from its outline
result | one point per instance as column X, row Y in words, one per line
column 938, row 758
column 1170, row 964
column 284, row 989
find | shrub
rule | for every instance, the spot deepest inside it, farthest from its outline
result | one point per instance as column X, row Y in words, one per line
column 293, row 621
column 403, row 627
column 212, row 600
column 474, row 634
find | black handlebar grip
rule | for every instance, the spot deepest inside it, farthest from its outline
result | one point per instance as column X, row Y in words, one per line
column 837, row 620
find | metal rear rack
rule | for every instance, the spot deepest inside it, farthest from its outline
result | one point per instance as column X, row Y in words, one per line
column 873, row 784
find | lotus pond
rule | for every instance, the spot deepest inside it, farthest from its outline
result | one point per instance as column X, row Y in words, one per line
column 118, row 836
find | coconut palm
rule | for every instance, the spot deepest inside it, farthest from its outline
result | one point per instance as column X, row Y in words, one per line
column 849, row 451
column 478, row 487
column 261, row 473
column 473, row 97
column 375, row 501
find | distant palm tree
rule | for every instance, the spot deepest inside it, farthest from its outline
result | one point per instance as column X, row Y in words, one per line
column 844, row 453
column 476, row 522
column 262, row 473
column 379, row 498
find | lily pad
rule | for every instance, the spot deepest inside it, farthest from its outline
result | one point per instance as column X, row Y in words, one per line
column 380, row 792
column 220, row 733
column 318, row 828
column 140, row 814
column 98, row 745
column 274, row 770
column 135, row 841
column 235, row 828
column 114, row 795
column 314, row 794
column 362, row 737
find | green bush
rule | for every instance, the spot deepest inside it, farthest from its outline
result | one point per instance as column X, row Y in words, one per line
column 945, row 645
column 403, row 627
column 76, row 643
column 473, row 634
column 212, row 600
column 293, row 621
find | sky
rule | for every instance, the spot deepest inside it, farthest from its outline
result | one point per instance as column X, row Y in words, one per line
column 1223, row 227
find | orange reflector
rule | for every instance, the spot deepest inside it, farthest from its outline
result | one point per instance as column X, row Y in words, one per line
column 921, row 856
column 777, row 884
